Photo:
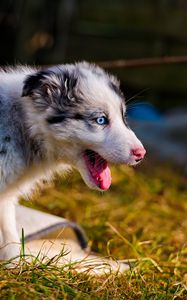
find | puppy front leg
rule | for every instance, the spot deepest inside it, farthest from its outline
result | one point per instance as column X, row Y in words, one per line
column 9, row 239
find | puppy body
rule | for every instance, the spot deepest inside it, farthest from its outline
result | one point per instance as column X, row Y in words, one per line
column 54, row 119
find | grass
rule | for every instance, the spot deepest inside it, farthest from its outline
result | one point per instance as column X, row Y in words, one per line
column 141, row 219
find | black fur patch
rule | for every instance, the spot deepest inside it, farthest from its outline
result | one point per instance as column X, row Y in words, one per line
column 32, row 82
column 53, row 85
column 116, row 89
column 56, row 119
column 3, row 150
column 64, row 116
column 70, row 80
column 7, row 138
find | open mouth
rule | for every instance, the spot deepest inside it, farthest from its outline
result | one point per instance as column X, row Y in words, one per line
column 98, row 169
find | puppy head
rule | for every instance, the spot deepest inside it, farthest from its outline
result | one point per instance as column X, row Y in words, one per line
column 82, row 111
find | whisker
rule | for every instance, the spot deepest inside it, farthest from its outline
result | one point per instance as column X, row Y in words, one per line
column 132, row 105
column 136, row 95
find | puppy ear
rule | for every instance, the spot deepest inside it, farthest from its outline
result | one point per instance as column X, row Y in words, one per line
column 49, row 87
column 40, row 83
column 30, row 84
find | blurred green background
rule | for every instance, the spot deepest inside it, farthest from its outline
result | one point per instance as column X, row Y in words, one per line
column 52, row 32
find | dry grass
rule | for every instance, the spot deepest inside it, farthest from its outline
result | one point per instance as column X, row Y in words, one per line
column 141, row 219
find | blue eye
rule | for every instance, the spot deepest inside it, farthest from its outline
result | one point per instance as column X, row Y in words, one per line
column 102, row 120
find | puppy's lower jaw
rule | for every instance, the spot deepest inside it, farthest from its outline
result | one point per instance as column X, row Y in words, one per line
column 95, row 171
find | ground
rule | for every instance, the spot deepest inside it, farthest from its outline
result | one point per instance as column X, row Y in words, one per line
column 142, row 219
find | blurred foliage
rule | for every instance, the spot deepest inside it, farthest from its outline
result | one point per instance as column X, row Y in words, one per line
column 51, row 32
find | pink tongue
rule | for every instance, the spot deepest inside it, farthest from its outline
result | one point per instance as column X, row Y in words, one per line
column 105, row 179
column 102, row 173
